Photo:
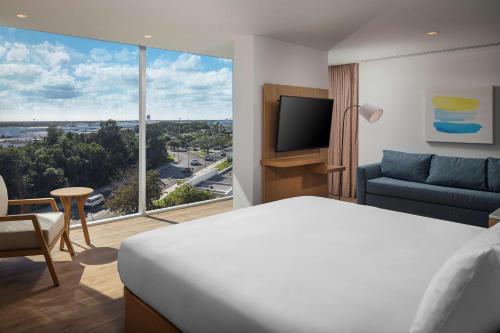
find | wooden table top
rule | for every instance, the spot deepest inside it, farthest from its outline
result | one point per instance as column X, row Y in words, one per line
column 72, row 192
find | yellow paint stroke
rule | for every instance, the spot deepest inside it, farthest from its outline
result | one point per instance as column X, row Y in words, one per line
column 449, row 103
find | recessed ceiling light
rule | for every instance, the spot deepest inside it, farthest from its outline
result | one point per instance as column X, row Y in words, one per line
column 22, row 15
column 148, row 36
column 432, row 33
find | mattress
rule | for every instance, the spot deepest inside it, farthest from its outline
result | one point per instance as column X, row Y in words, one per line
column 304, row 264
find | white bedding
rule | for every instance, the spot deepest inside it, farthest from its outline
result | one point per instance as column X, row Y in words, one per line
column 304, row 264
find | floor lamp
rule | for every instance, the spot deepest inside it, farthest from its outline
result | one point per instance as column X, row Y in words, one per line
column 368, row 111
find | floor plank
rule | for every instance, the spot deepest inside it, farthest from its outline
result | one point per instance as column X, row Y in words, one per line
column 89, row 298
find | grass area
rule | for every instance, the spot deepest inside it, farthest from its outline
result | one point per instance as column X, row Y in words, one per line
column 200, row 153
column 224, row 165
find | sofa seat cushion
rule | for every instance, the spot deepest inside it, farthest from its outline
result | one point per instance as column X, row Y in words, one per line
column 449, row 196
column 18, row 235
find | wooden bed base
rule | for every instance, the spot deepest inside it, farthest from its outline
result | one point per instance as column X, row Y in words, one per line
column 142, row 318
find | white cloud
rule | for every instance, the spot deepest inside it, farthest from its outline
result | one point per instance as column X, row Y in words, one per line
column 126, row 56
column 100, row 55
column 19, row 72
column 49, row 81
column 53, row 55
column 187, row 62
column 3, row 50
column 175, row 92
column 17, row 53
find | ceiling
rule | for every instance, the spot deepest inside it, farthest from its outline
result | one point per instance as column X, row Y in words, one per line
column 353, row 29
column 401, row 29
column 200, row 26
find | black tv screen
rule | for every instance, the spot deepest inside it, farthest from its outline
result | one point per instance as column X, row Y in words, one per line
column 303, row 123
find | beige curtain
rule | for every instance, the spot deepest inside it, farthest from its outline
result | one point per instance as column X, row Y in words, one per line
column 344, row 90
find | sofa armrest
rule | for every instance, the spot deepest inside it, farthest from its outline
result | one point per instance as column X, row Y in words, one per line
column 364, row 174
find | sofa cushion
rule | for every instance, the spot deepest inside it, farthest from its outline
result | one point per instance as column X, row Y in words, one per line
column 406, row 166
column 17, row 235
column 468, row 173
column 493, row 167
column 449, row 196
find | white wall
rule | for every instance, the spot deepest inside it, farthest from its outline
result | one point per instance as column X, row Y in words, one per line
column 259, row 60
column 397, row 85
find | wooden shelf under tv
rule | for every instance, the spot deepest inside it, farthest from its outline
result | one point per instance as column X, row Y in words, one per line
column 317, row 163
column 292, row 161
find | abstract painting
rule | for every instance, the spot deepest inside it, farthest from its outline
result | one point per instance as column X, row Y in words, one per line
column 459, row 115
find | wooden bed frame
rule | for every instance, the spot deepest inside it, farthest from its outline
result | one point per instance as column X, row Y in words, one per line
column 140, row 317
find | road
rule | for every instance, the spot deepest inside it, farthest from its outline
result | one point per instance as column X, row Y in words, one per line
column 170, row 173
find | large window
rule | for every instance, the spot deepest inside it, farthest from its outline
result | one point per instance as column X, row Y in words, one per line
column 189, row 128
column 69, row 116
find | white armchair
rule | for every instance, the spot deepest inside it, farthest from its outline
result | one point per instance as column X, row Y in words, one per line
column 31, row 234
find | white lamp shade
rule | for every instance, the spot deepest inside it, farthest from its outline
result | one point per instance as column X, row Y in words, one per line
column 371, row 112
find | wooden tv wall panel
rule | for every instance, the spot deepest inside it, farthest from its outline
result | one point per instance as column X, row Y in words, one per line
column 289, row 174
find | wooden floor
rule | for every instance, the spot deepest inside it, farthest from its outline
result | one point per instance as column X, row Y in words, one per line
column 89, row 298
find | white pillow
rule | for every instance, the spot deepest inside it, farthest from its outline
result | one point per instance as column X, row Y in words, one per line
column 4, row 198
column 464, row 295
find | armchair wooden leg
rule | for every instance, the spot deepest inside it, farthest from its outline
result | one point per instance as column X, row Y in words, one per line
column 66, row 201
column 68, row 243
column 50, row 264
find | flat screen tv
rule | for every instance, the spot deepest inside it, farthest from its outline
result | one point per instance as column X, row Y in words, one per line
column 303, row 123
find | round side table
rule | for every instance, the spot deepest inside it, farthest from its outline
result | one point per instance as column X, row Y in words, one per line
column 66, row 195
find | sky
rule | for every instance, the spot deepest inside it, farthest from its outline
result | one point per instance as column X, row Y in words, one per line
column 54, row 77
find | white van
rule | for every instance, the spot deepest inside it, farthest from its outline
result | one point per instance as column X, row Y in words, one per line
column 94, row 200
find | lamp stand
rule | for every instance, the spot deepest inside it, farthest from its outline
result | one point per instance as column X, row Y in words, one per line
column 341, row 175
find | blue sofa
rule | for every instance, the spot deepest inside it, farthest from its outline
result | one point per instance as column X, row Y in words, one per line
column 464, row 190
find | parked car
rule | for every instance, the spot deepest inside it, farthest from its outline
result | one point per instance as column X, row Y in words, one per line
column 223, row 153
column 195, row 162
column 209, row 158
column 94, row 200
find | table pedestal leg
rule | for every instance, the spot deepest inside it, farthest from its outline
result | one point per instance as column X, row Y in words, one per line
column 67, row 217
column 80, row 204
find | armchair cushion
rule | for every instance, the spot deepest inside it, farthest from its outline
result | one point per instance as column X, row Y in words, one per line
column 4, row 198
column 18, row 235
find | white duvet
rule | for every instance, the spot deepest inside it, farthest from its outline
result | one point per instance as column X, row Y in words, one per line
column 304, row 264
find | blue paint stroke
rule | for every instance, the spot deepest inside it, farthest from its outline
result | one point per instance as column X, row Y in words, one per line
column 444, row 115
column 457, row 128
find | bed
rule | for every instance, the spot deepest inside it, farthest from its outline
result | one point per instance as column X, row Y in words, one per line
column 304, row 264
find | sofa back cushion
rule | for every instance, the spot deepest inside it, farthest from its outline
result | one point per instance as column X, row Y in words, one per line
column 405, row 166
column 493, row 174
column 461, row 172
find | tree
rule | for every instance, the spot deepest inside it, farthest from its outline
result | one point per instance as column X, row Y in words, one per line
column 156, row 147
column 125, row 195
column 13, row 162
column 174, row 144
column 53, row 134
column 205, row 142
column 183, row 195
column 109, row 136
